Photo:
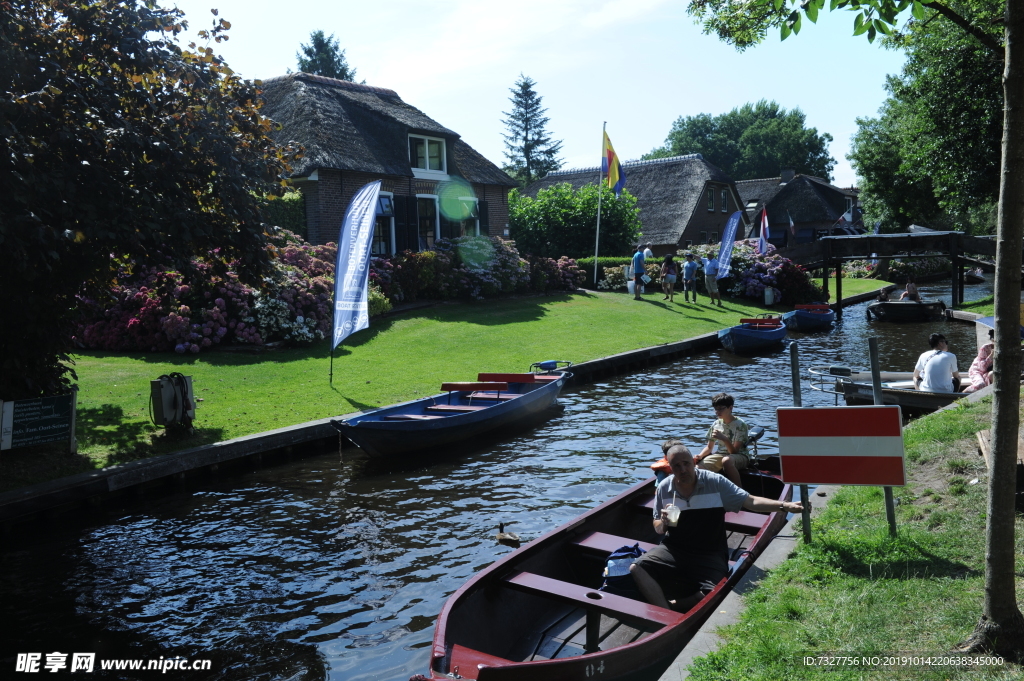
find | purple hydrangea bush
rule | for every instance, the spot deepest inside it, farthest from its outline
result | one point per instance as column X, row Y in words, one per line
column 752, row 273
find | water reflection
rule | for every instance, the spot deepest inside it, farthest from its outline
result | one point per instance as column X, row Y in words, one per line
column 332, row 569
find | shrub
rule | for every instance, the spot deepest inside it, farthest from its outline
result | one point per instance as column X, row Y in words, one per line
column 378, row 302
column 614, row 279
column 604, row 264
column 287, row 211
column 751, row 274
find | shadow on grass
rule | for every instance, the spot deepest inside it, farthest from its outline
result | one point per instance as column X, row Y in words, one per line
column 128, row 440
column 882, row 558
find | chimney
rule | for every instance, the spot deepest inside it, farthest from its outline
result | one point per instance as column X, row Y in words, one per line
column 787, row 175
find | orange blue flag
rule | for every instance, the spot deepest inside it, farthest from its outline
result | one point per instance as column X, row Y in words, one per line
column 611, row 167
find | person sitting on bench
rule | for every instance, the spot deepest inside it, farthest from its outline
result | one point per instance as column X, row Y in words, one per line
column 693, row 555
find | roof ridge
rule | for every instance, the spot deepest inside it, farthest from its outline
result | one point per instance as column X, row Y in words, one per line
column 760, row 179
column 335, row 82
column 631, row 164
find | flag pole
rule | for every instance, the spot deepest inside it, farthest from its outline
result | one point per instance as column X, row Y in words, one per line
column 600, row 181
column 331, row 375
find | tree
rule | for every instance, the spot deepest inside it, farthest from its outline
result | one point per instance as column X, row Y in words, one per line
column 531, row 152
column 119, row 148
column 1000, row 628
column 752, row 141
column 324, row 57
column 561, row 221
column 932, row 157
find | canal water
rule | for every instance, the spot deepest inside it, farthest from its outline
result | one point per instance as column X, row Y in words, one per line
column 330, row 568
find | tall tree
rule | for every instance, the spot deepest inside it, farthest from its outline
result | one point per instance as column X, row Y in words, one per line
column 1000, row 628
column 530, row 151
column 324, row 57
column 932, row 156
column 752, row 141
column 120, row 148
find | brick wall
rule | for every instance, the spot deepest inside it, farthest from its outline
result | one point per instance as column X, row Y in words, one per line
column 712, row 222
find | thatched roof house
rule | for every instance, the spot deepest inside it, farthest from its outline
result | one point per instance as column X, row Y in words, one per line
column 354, row 134
column 683, row 200
column 814, row 205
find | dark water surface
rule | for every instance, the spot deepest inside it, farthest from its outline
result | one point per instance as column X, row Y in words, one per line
column 332, row 569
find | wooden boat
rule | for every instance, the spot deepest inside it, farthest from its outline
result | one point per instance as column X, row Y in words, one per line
column 753, row 334
column 907, row 311
column 538, row 613
column 897, row 388
column 810, row 318
column 974, row 276
column 461, row 412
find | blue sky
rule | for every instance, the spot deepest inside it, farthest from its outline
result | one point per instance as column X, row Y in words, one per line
column 637, row 64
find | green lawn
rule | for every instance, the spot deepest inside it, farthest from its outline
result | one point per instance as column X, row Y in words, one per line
column 855, row 590
column 853, row 287
column 986, row 306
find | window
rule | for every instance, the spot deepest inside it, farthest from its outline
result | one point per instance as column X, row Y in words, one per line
column 426, row 221
column 470, row 223
column 849, row 205
column 714, row 238
column 426, row 153
column 688, row 244
column 384, row 227
column 711, row 199
column 725, row 200
column 703, row 237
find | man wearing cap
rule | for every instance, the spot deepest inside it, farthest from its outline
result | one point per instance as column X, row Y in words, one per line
column 638, row 272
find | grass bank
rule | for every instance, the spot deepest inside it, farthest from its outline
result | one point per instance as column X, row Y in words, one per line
column 986, row 306
column 853, row 287
column 399, row 358
column 855, row 590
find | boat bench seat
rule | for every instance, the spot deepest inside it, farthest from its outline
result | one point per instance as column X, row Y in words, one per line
column 508, row 378
column 622, row 608
column 771, row 321
column 410, row 417
column 746, row 522
column 493, row 396
column 606, row 543
column 458, row 408
column 465, row 659
column 813, row 307
column 541, row 378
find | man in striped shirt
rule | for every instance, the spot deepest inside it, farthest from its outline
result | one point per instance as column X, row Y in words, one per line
column 693, row 555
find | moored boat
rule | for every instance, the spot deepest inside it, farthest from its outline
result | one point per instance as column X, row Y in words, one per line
column 975, row 276
column 897, row 388
column 538, row 613
column 907, row 310
column 817, row 317
column 753, row 334
column 463, row 411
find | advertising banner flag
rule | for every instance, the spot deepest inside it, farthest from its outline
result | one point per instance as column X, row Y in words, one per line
column 725, row 250
column 352, row 268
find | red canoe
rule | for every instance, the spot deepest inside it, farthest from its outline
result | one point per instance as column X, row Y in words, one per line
column 537, row 614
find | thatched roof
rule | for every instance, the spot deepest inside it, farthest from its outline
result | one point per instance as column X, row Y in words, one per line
column 348, row 126
column 805, row 198
column 667, row 190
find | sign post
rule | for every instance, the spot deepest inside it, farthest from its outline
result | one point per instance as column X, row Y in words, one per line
column 876, row 390
column 24, row 423
column 805, row 495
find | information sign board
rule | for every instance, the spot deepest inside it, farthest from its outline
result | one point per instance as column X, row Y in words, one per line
column 24, row 423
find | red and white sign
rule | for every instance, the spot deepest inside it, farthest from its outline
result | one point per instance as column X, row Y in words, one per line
column 842, row 445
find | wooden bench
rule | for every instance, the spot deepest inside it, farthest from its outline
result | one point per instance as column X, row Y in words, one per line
column 470, row 386
column 541, row 378
column 762, row 321
column 596, row 603
column 410, row 417
column 746, row 522
column 606, row 543
column 465, row 659
column 508, row 378
column 456, row 408
column 493, row 396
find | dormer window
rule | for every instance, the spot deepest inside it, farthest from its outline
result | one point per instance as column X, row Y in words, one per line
column 427, row 153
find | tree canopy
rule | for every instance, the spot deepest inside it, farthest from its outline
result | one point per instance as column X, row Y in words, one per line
column 530, row 151
column 561, row 221
column 120, row 146
column 323, row 56
column 932, row 155
column 752, row 141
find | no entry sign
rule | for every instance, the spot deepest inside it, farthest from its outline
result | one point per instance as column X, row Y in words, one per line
column 841, row 445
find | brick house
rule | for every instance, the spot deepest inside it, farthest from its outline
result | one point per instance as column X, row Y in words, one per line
column 815, row 207
column 683, row 200
column 433, row 185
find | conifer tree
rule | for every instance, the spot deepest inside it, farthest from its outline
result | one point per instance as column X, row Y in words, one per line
column 531, row 152
column 324, row 57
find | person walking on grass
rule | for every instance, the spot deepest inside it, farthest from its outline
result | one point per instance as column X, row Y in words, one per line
column 669, row 270
column 711, row 278
column 690, row 268
column 638, row 272
column 693, row 555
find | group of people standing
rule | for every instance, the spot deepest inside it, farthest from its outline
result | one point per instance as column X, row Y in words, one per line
column 673, row 272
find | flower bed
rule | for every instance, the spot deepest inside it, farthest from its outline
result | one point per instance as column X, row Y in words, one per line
column 751, row 274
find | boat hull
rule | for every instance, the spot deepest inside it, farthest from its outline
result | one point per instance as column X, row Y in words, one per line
column 744, row 338
column 907, row 311
column 804, row 321
column 378, row 433
column 487, row 628
column 857, row 390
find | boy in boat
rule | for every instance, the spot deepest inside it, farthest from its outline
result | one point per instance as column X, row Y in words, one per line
column 693, row 555
column 732, row 433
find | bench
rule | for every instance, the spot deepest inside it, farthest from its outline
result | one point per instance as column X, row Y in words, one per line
column 745, row 522
column 546, row 378
column 470, row 386
column 596, row 603
column 508, row 378
column 456, row 408
column 469, row 659
column 606, row 543
column 762, row 321
column 410, row 417
column 493, row 396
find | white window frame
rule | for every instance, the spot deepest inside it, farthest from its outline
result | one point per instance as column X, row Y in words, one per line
column 391, row 221
column 473, row 199
column 437, row 219
column 426, row 173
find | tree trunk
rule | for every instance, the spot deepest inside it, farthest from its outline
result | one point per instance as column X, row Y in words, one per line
column 1001, row 628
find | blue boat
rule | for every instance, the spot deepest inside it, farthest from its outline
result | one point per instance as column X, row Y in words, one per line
column 463, row 411
column 818, row 317
column 752, row 335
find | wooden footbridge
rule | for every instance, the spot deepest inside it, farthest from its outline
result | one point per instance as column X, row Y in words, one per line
column 830, row 252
